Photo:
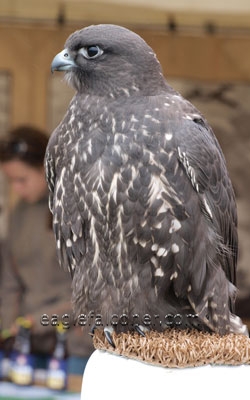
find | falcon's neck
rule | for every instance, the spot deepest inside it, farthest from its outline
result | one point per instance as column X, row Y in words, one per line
column 119, row 83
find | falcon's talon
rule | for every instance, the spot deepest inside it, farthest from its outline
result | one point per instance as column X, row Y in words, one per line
column 108, row 331
column 92, row 330
column 141, row 329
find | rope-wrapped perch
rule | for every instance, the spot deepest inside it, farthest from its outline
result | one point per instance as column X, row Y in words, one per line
column 179, row 348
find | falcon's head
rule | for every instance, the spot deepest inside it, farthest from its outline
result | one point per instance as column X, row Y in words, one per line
column 109, row 60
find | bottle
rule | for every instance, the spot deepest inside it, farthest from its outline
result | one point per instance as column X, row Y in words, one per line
column 1, row 353
column 6, row 354
column 57, row 366
column 22, row 365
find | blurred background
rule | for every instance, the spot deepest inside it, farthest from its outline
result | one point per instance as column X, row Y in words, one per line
column 204, row 49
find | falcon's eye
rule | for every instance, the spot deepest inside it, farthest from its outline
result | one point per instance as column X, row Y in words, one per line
column 91, row 51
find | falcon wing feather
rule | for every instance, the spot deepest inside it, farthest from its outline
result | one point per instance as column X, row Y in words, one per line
column 214, row 188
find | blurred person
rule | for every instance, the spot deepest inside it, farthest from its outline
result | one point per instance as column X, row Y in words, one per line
column 33, row 285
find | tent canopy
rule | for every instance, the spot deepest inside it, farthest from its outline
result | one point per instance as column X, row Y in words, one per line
column 147, row 13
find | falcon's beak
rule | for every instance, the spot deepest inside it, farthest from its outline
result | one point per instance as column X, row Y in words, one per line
column 62, row 61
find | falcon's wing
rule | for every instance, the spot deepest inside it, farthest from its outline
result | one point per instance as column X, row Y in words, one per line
column 204, row 164
column 188, row 228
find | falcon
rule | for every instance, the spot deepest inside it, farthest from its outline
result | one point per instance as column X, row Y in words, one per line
column 143, row 208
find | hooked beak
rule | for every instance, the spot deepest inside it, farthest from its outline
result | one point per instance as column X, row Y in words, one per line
column 62, row 62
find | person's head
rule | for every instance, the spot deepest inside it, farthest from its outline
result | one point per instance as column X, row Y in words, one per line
column 22, row 161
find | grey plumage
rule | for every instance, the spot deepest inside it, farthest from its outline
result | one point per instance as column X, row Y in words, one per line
column 143, row 209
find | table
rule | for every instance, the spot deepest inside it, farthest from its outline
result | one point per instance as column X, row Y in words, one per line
column 10, row 391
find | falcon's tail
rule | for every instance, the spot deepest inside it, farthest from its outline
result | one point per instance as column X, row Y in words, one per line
column 213, row 309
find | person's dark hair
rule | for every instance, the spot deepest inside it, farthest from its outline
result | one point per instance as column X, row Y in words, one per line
column 26, row 144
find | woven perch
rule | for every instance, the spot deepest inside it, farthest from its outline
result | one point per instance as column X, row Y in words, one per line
column 179, row 348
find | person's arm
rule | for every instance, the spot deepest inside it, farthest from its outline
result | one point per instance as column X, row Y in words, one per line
column 11, row 290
